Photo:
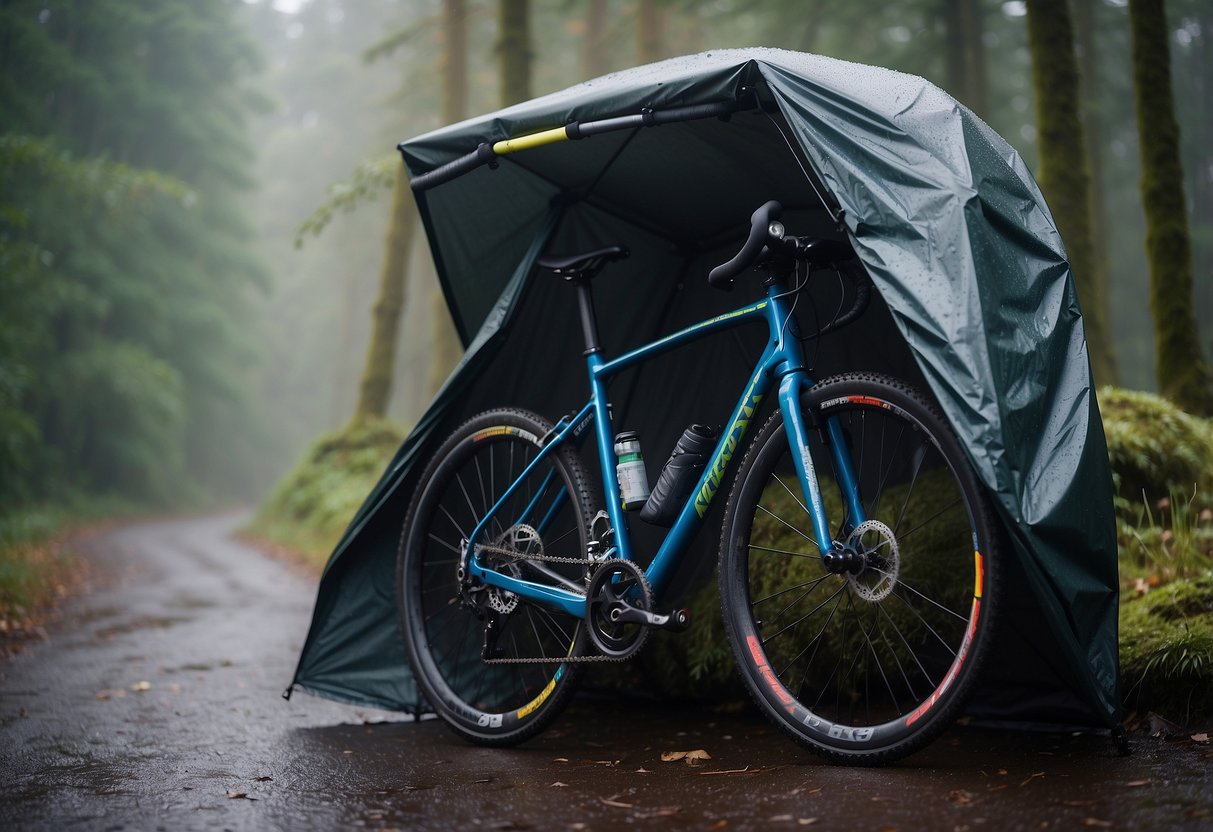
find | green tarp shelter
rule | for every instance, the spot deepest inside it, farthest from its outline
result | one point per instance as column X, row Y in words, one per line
column 976, row 304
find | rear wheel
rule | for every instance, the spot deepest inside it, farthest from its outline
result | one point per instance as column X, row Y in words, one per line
column 450, row 627
column 868, row 664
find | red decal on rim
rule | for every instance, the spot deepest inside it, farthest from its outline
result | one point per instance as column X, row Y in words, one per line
column 768, row 675
column 865, row 400
column 961, row 655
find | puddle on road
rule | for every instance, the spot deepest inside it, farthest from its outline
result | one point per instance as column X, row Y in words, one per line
column 146, row 622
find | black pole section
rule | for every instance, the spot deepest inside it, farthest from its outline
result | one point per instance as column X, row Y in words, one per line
column 589, row 323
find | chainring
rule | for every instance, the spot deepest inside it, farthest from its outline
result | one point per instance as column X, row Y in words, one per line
column 612, row 583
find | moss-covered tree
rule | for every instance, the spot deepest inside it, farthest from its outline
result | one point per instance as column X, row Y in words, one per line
column 593, row 50
column 650, row 31
column 447, row 348
column 514, row 50
column 1183, row 375
column 1064, row 174
column 375, row 389
column 966, row 66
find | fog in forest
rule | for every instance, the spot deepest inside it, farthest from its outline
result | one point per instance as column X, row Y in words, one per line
column 179, row 320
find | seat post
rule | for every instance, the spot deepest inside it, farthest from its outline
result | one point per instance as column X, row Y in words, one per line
column 589, row 322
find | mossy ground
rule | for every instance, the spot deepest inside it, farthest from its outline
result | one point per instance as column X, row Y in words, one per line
column 308, row 511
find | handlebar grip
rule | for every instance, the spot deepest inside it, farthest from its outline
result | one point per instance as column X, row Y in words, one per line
column 722, row 276
column 482, row 155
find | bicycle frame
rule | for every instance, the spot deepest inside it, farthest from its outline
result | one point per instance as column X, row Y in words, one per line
column 781, row 364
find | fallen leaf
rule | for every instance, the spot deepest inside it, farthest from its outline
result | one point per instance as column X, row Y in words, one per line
column 720, row 824
column 779, row 818
column 561, row 760
column 239, row 796
column 642, row 770
column 806, row 821
column 1002, row 772
column 140, row 687
column 612, row 802
column 1138, row 783
column 959, row 797
column 1096, row 822
column 691, row 758
column 1202, row 737
column 263, row 778
column 1141, row 587
column 559, row 785
column 1032, row 777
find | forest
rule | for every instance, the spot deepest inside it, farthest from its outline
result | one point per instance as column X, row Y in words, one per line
column 209, row 255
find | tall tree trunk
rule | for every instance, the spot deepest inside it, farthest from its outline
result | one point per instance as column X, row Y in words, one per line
column 376, row 388
column 1064, row 176
column 966, row 63
column 514, row 50
column 1092, row 123
column 650, row 32
column 593, row 54
column 447, row 349
column 1183, row 376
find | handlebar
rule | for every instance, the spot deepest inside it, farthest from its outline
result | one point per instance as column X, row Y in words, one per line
column 722, row 276
column 768, row 235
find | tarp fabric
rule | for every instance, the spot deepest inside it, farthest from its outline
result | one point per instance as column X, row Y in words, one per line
column 977, row 305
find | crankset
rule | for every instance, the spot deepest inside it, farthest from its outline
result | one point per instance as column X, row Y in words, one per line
column 619, row 603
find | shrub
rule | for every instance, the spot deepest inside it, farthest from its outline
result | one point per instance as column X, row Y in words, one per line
column 1154, row 448
column 310, row 508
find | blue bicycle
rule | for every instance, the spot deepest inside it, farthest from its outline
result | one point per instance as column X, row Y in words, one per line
column 858, row 563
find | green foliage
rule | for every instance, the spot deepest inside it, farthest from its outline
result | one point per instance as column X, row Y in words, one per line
column 1154, row 448
column 1166, row 650
column 310, row 508
column 1176, row 544
column 370, row 180
column 124, row 260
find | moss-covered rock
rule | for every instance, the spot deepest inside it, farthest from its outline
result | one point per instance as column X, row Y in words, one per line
column 310, row 508
column 1166, row 650
column 1154, row 447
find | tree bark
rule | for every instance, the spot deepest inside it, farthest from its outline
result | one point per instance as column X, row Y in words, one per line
column 376, row 388
column 514, row 50
column 593, row 54
column 650, row 32
column 1092, row 123
column 966, row 63
column 447, row 348
column 1183, row 375
column 1064, row 175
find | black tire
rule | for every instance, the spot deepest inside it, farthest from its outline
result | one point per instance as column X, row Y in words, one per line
column 444, row 628
column 870, row 667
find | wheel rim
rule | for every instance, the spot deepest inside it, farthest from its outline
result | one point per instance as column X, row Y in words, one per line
column 863, row 658
column 450, row 632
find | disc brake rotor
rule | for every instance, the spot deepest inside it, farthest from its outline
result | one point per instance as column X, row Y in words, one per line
column 526, row 542
column 877, row 544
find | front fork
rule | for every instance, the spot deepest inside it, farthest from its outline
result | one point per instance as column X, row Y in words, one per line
column 836, row 555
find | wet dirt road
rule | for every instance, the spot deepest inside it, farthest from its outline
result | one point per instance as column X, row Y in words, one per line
column 156, row 705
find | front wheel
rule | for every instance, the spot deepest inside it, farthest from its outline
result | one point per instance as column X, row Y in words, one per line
column 490, row 662
column 867, row 664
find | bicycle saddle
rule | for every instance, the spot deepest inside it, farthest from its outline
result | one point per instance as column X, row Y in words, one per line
column 583, row 266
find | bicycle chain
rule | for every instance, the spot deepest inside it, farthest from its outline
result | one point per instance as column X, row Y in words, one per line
column 503, row 551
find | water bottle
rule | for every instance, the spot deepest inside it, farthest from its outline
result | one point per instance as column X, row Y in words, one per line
column 679, row 475
column 629, row 467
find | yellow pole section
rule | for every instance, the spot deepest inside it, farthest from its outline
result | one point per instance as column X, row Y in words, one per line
column 556, row 134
